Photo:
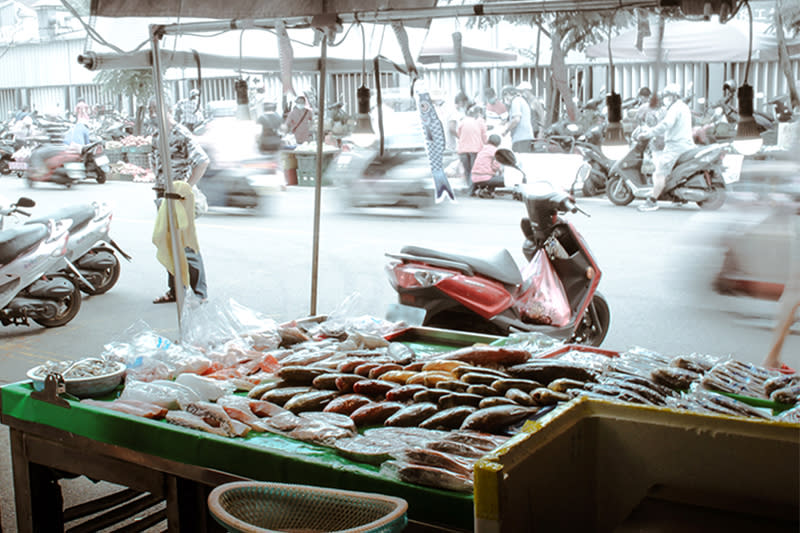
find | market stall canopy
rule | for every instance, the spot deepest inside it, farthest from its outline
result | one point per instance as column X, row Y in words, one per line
column 445, row 53
column 692, row 41
column 245, row 9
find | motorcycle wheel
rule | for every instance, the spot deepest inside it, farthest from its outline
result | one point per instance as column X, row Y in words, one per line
column 618, row 192
column 594, row 326
column 110, row 277
column 100, row 177
column 31, row 184
column 69, row 308
column 4, row 168
column 716, row 199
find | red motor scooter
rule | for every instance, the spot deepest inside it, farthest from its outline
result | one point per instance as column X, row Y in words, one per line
column 490, row 295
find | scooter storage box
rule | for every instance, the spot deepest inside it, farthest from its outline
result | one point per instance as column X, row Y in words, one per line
column 593, row 465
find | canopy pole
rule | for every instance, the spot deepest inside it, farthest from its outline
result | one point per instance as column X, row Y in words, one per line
column 166, row 164
column 318, row 184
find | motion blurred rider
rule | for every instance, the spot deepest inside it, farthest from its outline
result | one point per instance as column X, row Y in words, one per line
column 676, row 127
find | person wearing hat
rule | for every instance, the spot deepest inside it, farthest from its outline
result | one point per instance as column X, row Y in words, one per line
column 519, row 120
column 676, row 127
column 187, row 111
column 299, row 120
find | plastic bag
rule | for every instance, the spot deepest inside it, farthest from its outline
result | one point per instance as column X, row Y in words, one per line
column 200, row 202
column 212, row 324
column 547, row 303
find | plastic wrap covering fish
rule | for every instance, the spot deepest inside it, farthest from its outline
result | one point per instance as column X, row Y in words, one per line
column 286, row 57
column 434, row 143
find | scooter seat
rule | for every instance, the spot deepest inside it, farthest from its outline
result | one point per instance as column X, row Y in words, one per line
column 498, row 265
column 79, row 214
column 689, row 155
column 17, row 240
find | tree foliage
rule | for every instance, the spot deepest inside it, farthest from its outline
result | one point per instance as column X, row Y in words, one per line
column 129, row 82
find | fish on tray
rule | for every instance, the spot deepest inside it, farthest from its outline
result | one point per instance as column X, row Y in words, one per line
column 320, row 433
column 214, row 415
column 283, row 395
column 449, row 418
column 493, row 419
column 347, row 404
column 310, row 401
column 457, row 448
column 428, row 457
column 412, row 415
column 365, row 449
column 130, row 407
column 547, row 370
column 333, row 419
column 487, row 355
column 404, row 393
column 373, row 387
column 188, row 420
column 430, row 476
column 284, row 422
column 238, row 408
column 375, row 413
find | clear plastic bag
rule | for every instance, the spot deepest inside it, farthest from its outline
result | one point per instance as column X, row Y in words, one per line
column 547, row 302
column 214, row 323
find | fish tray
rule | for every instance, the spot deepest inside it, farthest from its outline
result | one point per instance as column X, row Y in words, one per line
column 250, row 507
column 594, row 465
column 446, row 337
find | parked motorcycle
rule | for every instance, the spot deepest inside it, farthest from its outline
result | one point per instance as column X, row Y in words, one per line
column 29, row 290
column 489, row 294
column 90, row 260
column 696, row 177
column 63, row 165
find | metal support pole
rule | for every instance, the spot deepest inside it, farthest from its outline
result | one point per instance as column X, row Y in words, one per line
column 166, row 164
column 318, row 185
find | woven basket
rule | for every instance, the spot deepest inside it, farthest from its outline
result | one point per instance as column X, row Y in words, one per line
column 251, row 507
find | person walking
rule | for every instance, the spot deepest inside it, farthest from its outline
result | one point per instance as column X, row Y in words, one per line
column 299, row 119
column 676, row 127
column 189, row 164
column 519, row 121
column 187, row 111
column 471, row 138
column 454, row 118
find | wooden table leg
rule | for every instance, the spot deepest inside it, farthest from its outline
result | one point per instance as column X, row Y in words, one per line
column 37, row 493
column 187, row 507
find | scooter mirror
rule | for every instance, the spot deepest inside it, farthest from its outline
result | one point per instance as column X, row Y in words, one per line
column 25, row 202
column 506, row 157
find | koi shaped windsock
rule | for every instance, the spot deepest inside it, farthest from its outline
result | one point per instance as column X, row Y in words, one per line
column 402, row 41
column 434, row 144
column 286, row 57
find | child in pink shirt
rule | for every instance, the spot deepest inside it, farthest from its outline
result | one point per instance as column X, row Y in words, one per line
column 471, row 138
column 486, row 170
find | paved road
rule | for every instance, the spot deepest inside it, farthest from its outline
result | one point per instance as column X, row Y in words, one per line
column 656, row 269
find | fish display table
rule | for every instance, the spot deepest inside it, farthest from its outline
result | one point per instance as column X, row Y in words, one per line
column 179, row 465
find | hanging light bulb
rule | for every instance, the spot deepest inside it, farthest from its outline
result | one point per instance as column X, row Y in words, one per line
column 615, row 146
column 363, row 135
column 748, row 138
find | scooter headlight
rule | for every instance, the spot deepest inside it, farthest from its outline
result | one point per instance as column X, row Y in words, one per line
column 415, row 276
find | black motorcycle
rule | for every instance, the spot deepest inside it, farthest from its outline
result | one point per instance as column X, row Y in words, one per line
column 696, row 177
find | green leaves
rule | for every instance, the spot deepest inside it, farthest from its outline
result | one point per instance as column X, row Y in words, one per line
column 129, row 82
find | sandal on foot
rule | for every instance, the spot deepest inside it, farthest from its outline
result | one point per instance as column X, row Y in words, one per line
column 165, row 299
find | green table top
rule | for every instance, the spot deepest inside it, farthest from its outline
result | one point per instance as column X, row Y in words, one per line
column 259, row 456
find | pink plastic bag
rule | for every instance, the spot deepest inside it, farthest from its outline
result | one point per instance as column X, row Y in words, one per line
column 545, row 302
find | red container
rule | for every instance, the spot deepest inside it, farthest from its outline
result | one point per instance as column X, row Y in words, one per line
column 291, row 176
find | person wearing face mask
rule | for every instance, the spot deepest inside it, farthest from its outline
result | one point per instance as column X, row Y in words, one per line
column 299, row 120
column 676, row 127
column 494, row 105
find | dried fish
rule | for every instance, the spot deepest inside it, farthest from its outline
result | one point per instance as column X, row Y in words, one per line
column 397, row 376
column 478, row 378
column 503, row 384
column 545, row 396
column 281, row 396
column 494, row 401
column 565, row 384
column 347, row 404
column 780, row 382
column 428, row 457
column 430, row 395
column 448, row 419
column 412, row 415
column 130, row 407
column 520, row 397
column 676, row 378
column 547, row 370
column 452, row 385
column 466, row 369
column 333, row 419
column 378, row 371
column 430, row 378
column 789, row 395
column 481, row 390
column 319, row 432
column 327, row 381
column 459, row 398
column 259, row 390
column 457, row 448
column 300, row 375
column 492, row 419
column 433, row 477
column 373, row 387
column 345, row 382
column 404, row 393
column 375, row 413
column 188, row 420
column 365, row 449
column 263, row 409
column 363, row 370
column 487, row 355
column 310, row 401
column 445, row 366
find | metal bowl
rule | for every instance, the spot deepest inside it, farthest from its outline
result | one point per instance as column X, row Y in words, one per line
column 84, row 387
